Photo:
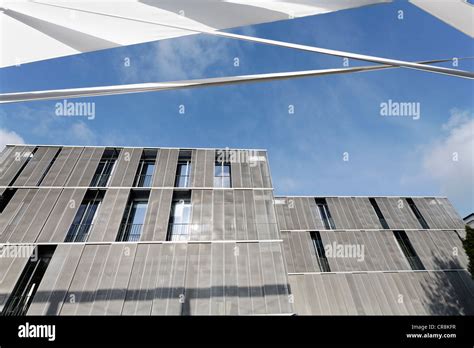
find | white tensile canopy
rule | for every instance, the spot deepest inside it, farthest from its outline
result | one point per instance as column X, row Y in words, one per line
column 35, row 30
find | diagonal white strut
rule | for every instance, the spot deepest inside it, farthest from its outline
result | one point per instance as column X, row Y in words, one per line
column 173, row 85
column 368, row 58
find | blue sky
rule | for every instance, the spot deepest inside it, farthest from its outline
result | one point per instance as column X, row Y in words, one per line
column 333, row 114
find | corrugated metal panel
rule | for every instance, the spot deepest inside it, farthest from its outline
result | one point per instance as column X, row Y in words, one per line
column 202, row 171
column 59, row 172
column 230, row 232
column 109, row 216
column 217, row 279
column 36, row 167
column 162, row 293
column 204, row 284
column 157, row 216
column 230, row 279
column 126, row 167
column 243, row 279
column 177, row 286
column 85, row 168
column 54, row 286
column 21, row 198
column 62, row 216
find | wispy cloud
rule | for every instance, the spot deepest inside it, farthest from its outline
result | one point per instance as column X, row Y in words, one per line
column 9, row 137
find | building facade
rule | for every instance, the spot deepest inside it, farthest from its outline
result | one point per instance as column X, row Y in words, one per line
column 167, row 231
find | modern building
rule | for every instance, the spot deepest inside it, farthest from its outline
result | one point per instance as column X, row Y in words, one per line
column 167, row 231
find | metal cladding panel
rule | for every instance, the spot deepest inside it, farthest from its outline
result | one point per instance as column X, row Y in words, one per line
column 218, row 282
column 218, row 215
column 162, row 292
column 236, row 173
column 62, row 167
column 446, row 205
column 288, row 251
column 249, row 204
column 36, row 167
column 14, row 208
column 85, row 168
column 240, row 218
column 10, row 271
column 243, row 279
column 177, row 298
column 141, row 287
column 165, row 168
column 25, row 223
column 61, row 217
column 230, row 279
column 191, row 287
column 392, row 293
column 256, row 280
column 5, row 153
column 438, row 213
column 109, row 295
column 13, row 162
column 109, row 216
column 34, row 218
column 202, row 303
column 54, row 286
column 126, row 167
column 202, row 168
column 230, row 230
column 155, row 227
column 397, row 213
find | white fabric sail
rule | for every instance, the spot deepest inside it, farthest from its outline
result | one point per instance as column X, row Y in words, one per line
column 35, row 30
column 457, row 13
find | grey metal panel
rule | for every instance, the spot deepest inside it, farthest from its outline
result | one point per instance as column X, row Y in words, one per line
column 109, row 216
column 191, row 281
column 196, row 231
column 35, row 217
column 218, row 215
column 162, row 293
column 54, row 286
column 141, row 291
column 206, row 215
column 62, row 216
column 79, row 294
column 35, row 168
column 236, row 174
column 243, row 279
column 230, row 232
column 26, row 223
column 257, row 172
column 20, row 198
column 286, row 236
column 165, row 168
column 298, row 294
column 111, row 290
column 126, row 167
column 217, row 277
column 270, row 280
column 256, row 279
column 239, row 216
column 86, row 167
column 157, row 216
column 424, row 247
column 177, row 286
column 204, row 284
column 230, row 279
column 59, row 172
column 446, row 205
column 10, row 271
column 202, row 171
column 13, row 162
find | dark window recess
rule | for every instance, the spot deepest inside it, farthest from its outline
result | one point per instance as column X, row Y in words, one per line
column 25, row 289
column 180, row 216
column 382, row 220
column 84, row 219
column 408, row 250
column 133, row 217
column 320, row 252
column 183, row 172
column 18, row 156
column 6, row 198
column 417, row 213
column 105, row 168
column 145, row 170
column 325, row 214
column 48, row 168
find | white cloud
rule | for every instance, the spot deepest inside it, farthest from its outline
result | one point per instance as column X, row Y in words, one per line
column 9, row 137
column 450, row 160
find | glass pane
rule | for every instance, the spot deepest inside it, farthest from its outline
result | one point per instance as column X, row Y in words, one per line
column 226, row 181
column 149, row 168
column 217, row 181
column 226, row 170
column 218, row 169
column 138, row 213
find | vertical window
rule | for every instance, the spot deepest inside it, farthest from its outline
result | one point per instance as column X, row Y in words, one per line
column 325, row 214
column 320, row 252
column 105, row 168
column 145, row 170
column 408, row 250
column 85, row 216
column 377, row 210
column 180, row 217
column 25, row 289
column 134, row 217
column 222, row 174
column 183, row 173
column 417, row 213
